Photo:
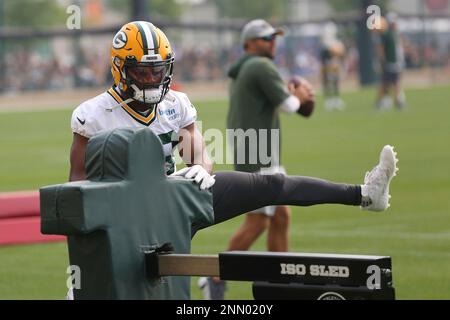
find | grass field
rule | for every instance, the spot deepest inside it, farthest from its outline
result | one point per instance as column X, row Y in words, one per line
column 339, row 146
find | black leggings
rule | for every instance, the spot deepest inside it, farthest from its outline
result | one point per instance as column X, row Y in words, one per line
column 235, row 192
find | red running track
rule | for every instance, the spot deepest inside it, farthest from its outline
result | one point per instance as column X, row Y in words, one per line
column 20, row 219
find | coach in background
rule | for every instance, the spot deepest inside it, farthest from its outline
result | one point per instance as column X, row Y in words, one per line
column 257, row 94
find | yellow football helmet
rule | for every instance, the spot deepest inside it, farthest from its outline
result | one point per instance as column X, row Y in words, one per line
column 142, row 62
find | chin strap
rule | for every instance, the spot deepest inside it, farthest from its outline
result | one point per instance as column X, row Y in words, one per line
column 110, row 109
column 119, row 105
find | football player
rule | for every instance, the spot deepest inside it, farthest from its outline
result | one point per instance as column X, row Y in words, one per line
column 391, row 58
column 331, row 54
column 142, row 68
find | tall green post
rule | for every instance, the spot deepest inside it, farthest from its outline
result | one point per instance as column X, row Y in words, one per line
column 139, row 10
column 366, row 48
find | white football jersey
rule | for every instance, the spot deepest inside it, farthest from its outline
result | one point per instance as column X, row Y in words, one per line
column 103, row 112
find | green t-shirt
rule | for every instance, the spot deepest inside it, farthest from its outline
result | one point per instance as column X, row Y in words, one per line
column 256, row 92
column 393, row 53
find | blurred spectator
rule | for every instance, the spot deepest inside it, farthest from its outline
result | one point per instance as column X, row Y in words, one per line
column 45, row 66
column 332, row 53
column 391, row 57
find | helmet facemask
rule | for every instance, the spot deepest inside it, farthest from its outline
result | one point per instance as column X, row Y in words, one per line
column 148, row 82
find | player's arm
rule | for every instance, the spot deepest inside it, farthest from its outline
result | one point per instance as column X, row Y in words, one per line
column 77, row 158
column 192, row 148
column 274, row 88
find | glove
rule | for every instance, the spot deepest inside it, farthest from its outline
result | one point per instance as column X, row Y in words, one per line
column 199, row 174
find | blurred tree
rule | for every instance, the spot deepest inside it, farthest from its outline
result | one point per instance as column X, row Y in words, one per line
column 348, row 5
column 156, row 8
column 251, row 9
column 33, row 13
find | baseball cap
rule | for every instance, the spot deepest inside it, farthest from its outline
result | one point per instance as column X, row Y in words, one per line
column 258, row 29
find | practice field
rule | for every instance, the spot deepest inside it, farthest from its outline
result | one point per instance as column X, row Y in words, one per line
column 339, row 146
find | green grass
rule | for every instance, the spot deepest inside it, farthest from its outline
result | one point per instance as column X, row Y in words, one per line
column 338, row 146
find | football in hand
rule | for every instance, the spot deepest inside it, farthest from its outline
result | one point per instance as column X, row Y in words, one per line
column 306, row 107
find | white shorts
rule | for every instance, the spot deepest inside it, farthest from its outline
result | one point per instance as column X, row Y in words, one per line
column 269, row 211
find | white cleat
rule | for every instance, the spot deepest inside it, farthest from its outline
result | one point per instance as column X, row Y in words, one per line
column 384, row 103
column 212, row 289
column 375, row 191
column 203, row 285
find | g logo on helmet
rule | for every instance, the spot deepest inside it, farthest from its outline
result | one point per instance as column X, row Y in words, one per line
column 120, row 40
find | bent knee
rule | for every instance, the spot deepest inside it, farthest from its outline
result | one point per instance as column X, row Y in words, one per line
column 275, row 182
column 256, row 223
column 276, row 179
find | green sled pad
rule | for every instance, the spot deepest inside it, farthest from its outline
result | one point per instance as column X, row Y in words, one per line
column 127, row 207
